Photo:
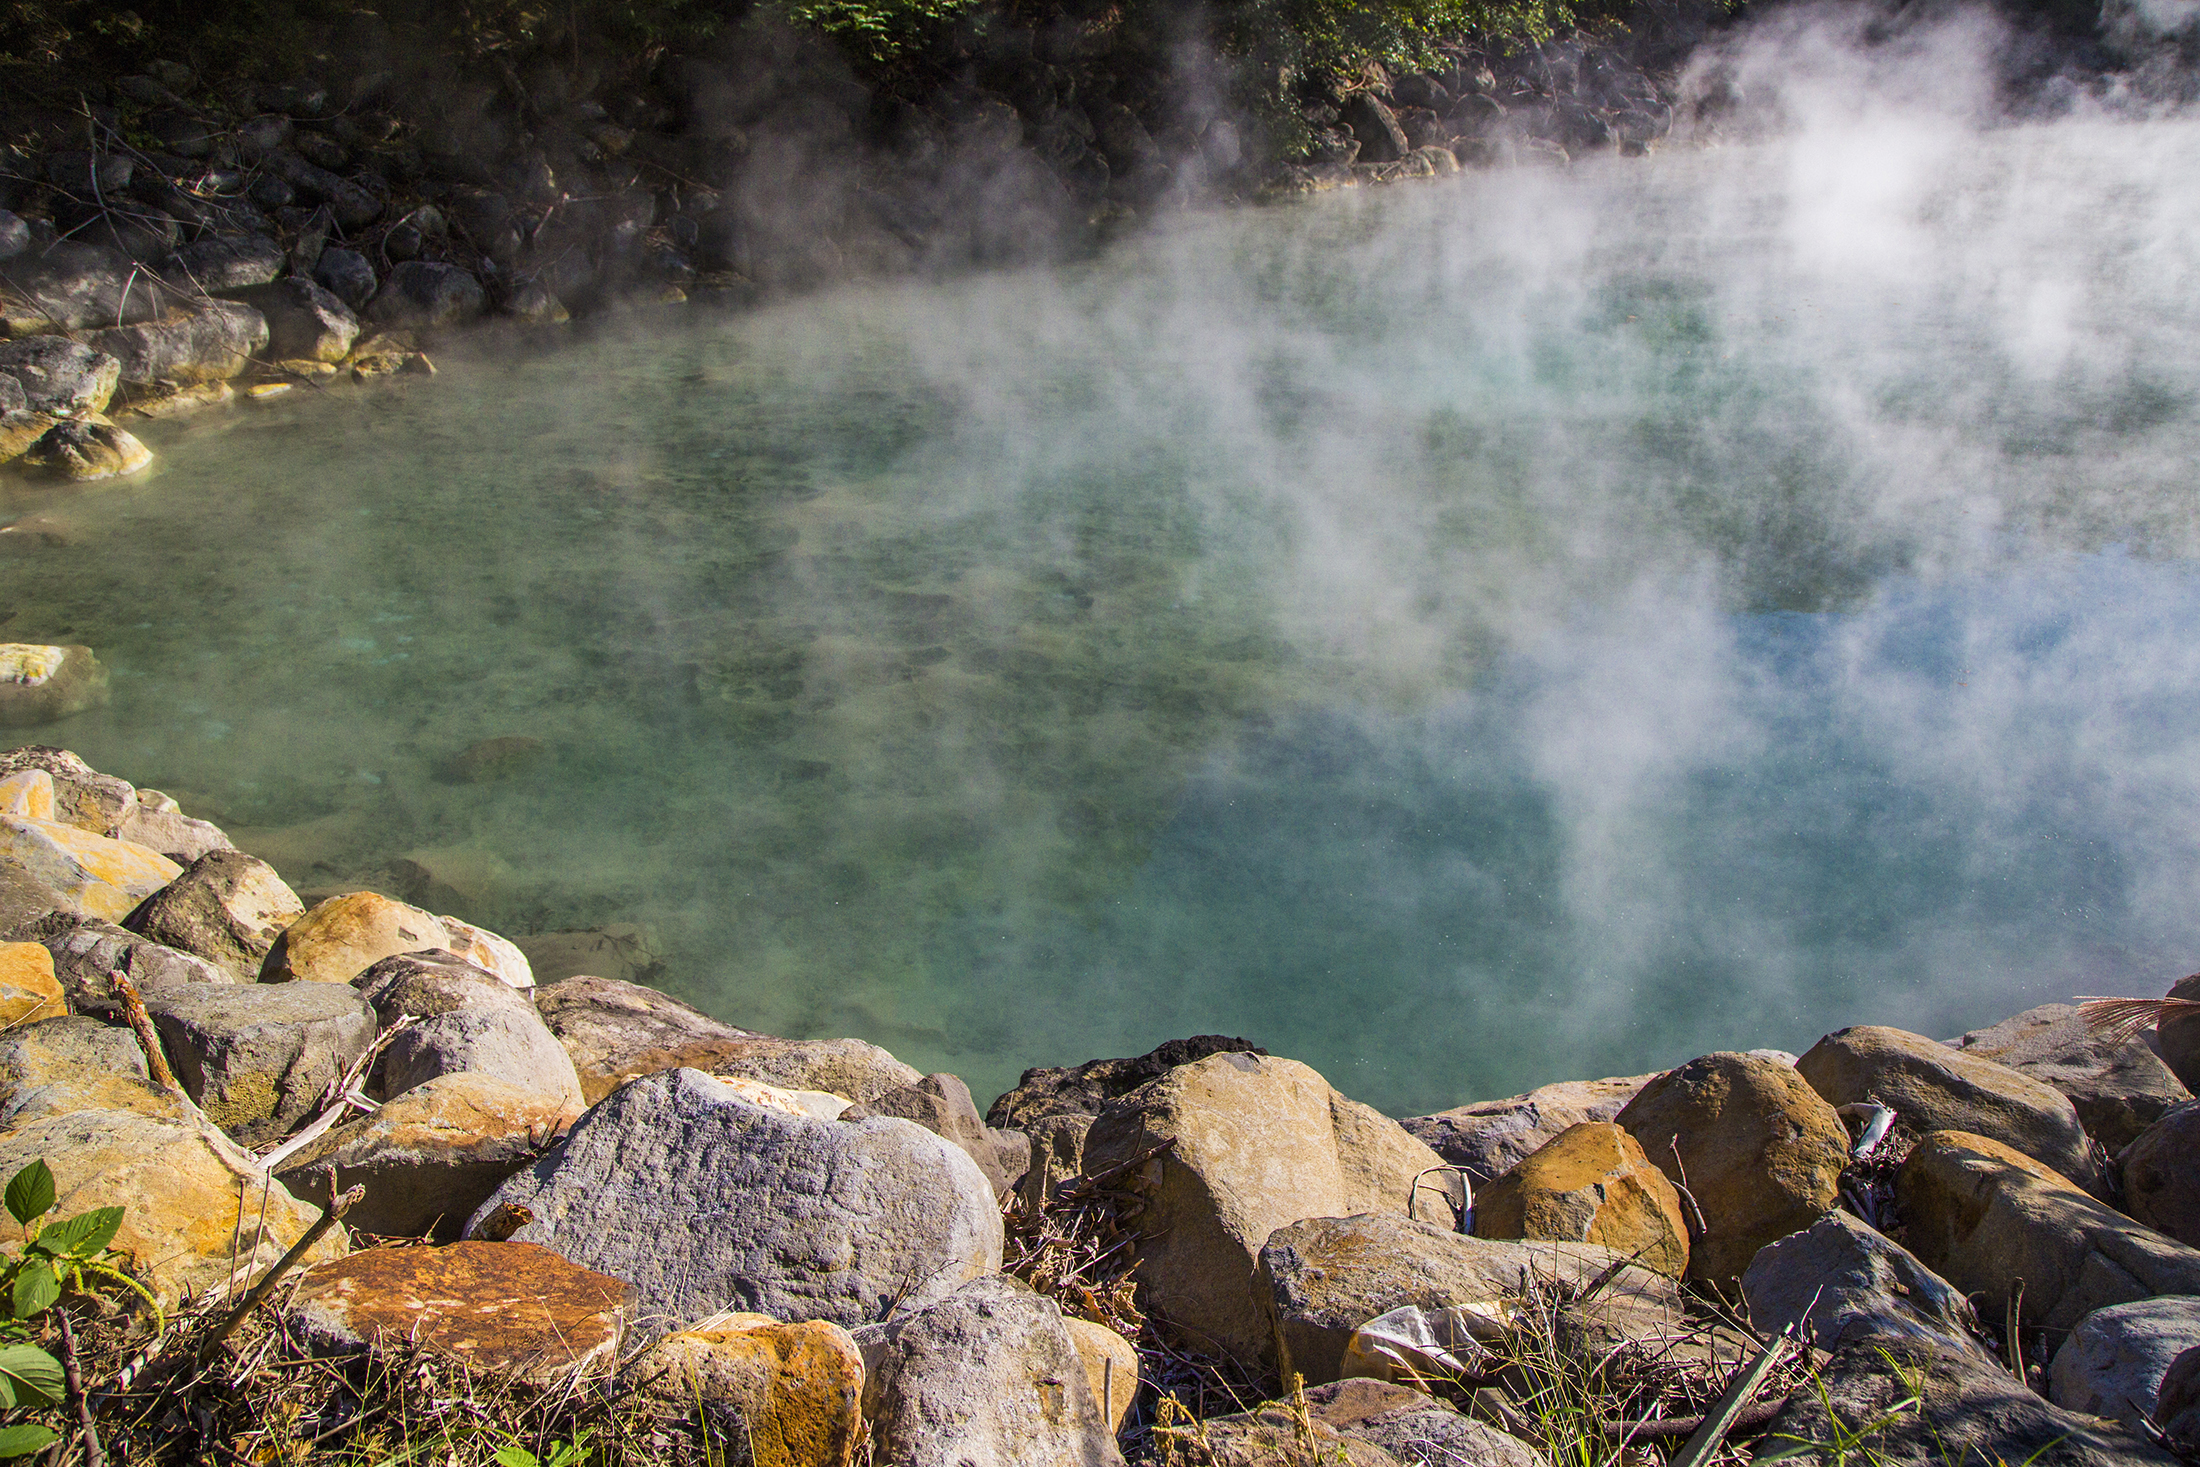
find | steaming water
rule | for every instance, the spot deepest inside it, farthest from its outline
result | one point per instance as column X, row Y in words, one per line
column 1472, row 635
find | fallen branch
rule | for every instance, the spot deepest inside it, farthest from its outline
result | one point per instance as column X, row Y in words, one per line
column 1722, row 1418
column 228, row 1152
column 1656, row 1428
column 338, row 1206
column 73, row 1379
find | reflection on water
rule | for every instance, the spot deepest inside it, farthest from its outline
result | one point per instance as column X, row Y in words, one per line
column 1464, row 637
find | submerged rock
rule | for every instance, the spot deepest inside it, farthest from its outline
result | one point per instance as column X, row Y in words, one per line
column 88, row 449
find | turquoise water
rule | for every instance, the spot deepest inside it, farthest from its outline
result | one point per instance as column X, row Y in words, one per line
column 1527, row 626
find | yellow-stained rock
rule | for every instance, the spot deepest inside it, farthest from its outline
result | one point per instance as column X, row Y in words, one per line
column 346, row 935
column 1111, row 1367
column 57, row 1066
column 39, row 684
column 102, row 877
column 792, row 1392
column 27, row 793
column 28, row 989
column 184, row 1210
column 1591, row 1184
column 491, row 953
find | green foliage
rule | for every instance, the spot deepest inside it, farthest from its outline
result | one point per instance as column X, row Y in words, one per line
column 562, row 1454
column 67, row 1255
column 876, row 31
column 21, row 1441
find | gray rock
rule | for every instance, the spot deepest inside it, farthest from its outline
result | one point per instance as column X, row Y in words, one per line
column 1417, row 1430
column 1382, row 140
column 1972, row 1411
column 1855, row 1284
column 2161, row 1175
column 2178, row 1038
column 174, row 834
column 226, row 907
column 424, row 294
column 706, row 1203
column 2113, row 1363
column 986, row 1377
column 83, row 797
column 86, row 951
column 347, row 275
column 257, row 1057
column 70, row 286
column 471, row 1023
column 353, row 206
column 2120, row 1087
column 305, row 321
column 60, row 376
column 2177, row 1408
column 1057, row 1155
column 88, row 449
column 1491, row 1137
column 60, row 1066
column 12, row 397
column 223, row 263
column 1088, row 1088
column 942, row 1105
column 15, row 235
column 211, row 343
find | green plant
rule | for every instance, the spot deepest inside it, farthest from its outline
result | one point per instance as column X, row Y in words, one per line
column 572, row 1453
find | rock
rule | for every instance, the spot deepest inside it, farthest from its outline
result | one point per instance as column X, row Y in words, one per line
column 1972, row 1410
column 306, row 321
column 705, row 1202
column 2177, row 1408
column 942, row 1105
column 1491, row 1137
column 1057, row 1155
column 988, row 1377
column 83, row 797
column 618, row 950
column 344, row 936
column 347, row 276
column 424, row 294
column 535, row 304
column 58, row 1066
column 491, row 953
column 1272, row 1436
column 74, row 286
column 497, row 758
column 789, row 1393
column 86, row 951
column 1983, row 1216
column 1111, row 1367
column 173, row 834
column 509, row 1310
column 60, row 377
column 1088, row 1088
column 2119, row 1087
column 222, row 263
column 2161, row 1175
column 257, row 1059
column 226, row 907
column 1591, row 1184
column 1254, row 1145
column 2113, row 1363
column 185, row 400
column 1320, row 1279
column 42, row 684
column 470, row 1022
column 211, row 343
column 183, row 1207
column 353, row 206
column 88, row 875
column 1853, row 1284
column 1382, row 140
column 1416, row 1429
column 15, row 235
column 431, row 1156
column 88, row 450
column 1931, row 1087
column 2179, row 1038
column 20, row 430
column 1761, row 1152
column 617, row 1031
column 28, row 989
column 29, row 794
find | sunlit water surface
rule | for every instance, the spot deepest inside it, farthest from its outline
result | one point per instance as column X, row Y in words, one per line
column 1471, row 635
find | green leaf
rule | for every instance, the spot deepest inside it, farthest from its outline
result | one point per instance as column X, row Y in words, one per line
column 83, row 1235
column 30, row 1193
column 29, row 1376
column 516, row 1455
column 36, row 1288
column 21, row 1441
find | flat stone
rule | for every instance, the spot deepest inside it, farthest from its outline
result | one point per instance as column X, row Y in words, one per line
column 706, row 1202
column 1089, row 1088
column 212, row 341
column 2114, row 1361
column 91, row 875
column 1984, row 1216
column 1591, row 1184
column 1931, row 1087
column 344, row 936
column 57, row 1066
column 86, row 952
column 173, row 834
column 511, row 1310
column 471, row 1022
column 1491, row 1137
column 42, row 684
column 1850, row 1283
column 257, row 1058
column 226, row 907
column 791, row 1394
column 1415, row 1428
column 2119, row 1087
column 2161, row 1175
column 28, row 989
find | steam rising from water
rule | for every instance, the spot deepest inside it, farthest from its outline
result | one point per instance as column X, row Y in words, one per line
column 1464, row 637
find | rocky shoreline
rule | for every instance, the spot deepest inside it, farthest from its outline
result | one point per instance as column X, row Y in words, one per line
column 603, row 1199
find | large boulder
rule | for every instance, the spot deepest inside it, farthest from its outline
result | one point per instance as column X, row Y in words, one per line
column 942, row 1105
column 84, row 874
column 1592, row 1184
column 306, row 321
column 57, row 1066
column 41, row 683
column 507, row 1310
column 353, row 206
column 2179, row 1037
column 790, row 1394
column 2114, row 1361
column 2119, row 1086
column 29, row 991
column 1252, row 1144
column 258, row 1059
column 226, row 907
column 1319, row 1280
column 1090, row 1088
column 431, row 1156
column 470, row 1022
column 189, row 1221
column 706, row 1202
column 2161, row 1175
column 346, row 935
column 222, row 263
column 1417, row 1429
column 1057, row 1156
column 347, row 275
column 1760, row 1152
column 1491, row 1137
column 1931, row 1087
column 87, row 953
column 618, row 1031
column 72, row 286
column 422, row 294
column 490, row 953
column 1844, row 1281
column 1967, row 1409
column 60, row 377
column 1984, row 1217
column 83, row 797
column 159, row 825
column 210, row 342
column 986, row 1377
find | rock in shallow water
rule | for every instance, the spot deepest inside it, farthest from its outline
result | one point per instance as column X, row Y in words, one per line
column 89, row 449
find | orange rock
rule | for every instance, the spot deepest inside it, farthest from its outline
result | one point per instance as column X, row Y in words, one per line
column 101, row 876
column 792, row 1391
column 346, row 935
column 28, row 989
column 28, row 793
column 1591, row 1184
